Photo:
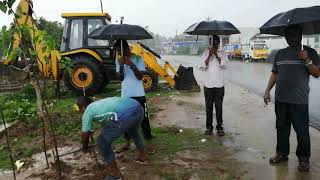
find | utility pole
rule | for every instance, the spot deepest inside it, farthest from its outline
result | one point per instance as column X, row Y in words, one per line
column 121, row 20
column 101, row 6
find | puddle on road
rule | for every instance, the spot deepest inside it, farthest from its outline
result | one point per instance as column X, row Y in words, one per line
column 250, row 125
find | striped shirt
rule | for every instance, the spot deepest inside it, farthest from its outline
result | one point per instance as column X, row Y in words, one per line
column 292, row 85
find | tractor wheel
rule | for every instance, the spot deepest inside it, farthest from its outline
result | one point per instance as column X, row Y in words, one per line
column 85, row 77
column 150, row 81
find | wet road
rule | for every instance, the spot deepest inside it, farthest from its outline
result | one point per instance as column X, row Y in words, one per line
column 254, row 77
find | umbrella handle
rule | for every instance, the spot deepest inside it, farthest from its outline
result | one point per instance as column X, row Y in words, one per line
column 302, row 47
column 121, row 48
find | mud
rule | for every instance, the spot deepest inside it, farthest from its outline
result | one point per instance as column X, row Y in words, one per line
column 251, row 127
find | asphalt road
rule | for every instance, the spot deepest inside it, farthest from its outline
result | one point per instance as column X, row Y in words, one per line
column 254, row 77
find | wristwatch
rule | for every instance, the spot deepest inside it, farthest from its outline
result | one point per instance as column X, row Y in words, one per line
column 309, row 63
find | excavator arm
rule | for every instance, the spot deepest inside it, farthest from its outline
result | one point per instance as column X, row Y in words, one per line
column 151, row 62
column 47, row 59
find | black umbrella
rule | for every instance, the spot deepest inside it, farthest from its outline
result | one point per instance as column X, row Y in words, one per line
column 120, row 31
column 212, row 28
column 308, row 18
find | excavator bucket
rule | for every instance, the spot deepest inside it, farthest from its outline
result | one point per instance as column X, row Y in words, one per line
column 185, row 79
column 12, row 73
column 11, row 78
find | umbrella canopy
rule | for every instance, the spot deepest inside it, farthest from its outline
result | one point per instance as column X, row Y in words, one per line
column 120, row 31
column 308, row 18
column 212, row 28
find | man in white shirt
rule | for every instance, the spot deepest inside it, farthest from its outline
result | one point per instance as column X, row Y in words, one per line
column 215, row 62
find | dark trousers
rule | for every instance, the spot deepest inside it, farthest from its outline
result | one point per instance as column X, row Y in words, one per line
column 214, row 96
column 114, row 129
column 298, row 116
column 145, row 124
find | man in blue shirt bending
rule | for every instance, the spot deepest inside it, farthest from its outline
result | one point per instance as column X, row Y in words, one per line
column 117, row 115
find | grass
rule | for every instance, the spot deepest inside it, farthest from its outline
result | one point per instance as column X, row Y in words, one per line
column 26, row 140
column 168, row 140
column 21, row 107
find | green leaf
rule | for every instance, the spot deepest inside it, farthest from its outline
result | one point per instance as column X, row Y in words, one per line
column 32, row 52
column 44, row 49
column 10, row 3
column 18, row 13
column 10, row 12
column 3, row 7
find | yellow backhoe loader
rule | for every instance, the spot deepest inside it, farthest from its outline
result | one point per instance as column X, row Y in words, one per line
column 93, row 61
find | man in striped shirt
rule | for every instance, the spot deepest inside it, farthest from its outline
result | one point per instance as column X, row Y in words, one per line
column 291, row 72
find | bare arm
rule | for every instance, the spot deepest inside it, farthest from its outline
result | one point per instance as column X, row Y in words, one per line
column 271, row 83
column 121, row 73
column 210, row 53
column 137, row 73
column 314, row 70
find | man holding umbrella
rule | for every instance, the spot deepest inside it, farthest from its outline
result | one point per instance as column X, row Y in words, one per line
column 129, row 66
column 215, row 62
column 129, row 69
column 290, row 72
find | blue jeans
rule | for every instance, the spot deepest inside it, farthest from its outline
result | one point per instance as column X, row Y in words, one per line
column 127, row 122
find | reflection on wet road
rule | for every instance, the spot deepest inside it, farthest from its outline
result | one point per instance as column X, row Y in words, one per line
column 255, row 76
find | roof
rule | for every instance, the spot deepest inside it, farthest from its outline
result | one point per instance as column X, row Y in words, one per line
column 187, row 43
column 66, row 15
column 264, row 36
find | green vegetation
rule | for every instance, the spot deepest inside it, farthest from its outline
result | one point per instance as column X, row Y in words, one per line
column 20, row 107
column 54, row 30
column 168, row 141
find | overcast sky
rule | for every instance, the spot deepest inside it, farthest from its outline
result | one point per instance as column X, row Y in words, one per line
column 166, row 17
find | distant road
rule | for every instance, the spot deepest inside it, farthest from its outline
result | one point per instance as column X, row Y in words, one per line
column 255, row 76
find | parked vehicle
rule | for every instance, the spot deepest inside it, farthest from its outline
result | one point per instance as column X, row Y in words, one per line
column 258, row 51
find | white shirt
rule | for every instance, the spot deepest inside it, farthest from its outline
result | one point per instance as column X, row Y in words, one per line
column 214, row 73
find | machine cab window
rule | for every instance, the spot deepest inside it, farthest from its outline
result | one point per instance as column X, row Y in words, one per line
column 76, row 34
column 92, row 25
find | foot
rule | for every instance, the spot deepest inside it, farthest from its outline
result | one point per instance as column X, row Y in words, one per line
column 149, row 147
column 304, row 166
column 208, row 132
column 277, row 159
column 220, row 132
column 142, row 157
column 114, row 171
column 110, row 177
column 142, row 161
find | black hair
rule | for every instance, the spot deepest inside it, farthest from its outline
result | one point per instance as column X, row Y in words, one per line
column 84, row 101
column 214, row 37
column 295, row 26
column 117, row 44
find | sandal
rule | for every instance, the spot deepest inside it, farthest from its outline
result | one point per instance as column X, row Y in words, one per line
column 140, row 161
column 110, row 177
column 220, row 132
column 304, row 166
column 208, row 132
column 277, row 159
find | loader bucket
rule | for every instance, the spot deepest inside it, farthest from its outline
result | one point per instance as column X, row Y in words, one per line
column 12, row 73
column 185, row 79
